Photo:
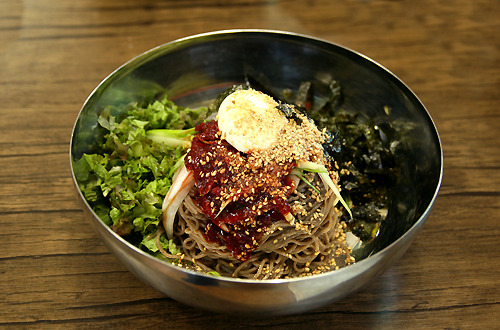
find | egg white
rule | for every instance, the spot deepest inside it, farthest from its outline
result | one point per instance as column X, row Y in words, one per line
column 249, row 120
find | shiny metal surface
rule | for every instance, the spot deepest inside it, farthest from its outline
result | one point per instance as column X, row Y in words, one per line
column 193, row 71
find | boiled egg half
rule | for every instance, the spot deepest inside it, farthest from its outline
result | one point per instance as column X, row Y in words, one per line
column 249, row 120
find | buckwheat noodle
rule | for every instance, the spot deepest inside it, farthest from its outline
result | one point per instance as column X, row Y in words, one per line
column 315, row 243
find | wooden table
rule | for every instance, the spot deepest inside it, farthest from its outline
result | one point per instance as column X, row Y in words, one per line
column 54, row 271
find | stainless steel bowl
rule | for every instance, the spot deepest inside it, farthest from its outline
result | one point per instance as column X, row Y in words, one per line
column 193, row 71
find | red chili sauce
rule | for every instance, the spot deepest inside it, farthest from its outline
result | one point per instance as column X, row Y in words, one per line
column 251, row 194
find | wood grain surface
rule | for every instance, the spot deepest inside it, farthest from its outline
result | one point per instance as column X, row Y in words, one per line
column 55, row 272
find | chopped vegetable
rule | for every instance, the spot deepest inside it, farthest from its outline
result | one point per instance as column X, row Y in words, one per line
column 213, row 273
column 172, row 137
column 126, row 180
column 327, row 180
column 299, row 173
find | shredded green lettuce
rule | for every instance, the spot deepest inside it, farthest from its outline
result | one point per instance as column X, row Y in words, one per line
column 126, row 181
column 150, row 243
column 214, row 273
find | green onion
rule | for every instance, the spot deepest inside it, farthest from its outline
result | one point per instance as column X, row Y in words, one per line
column 325, row 177
column 300, row 174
